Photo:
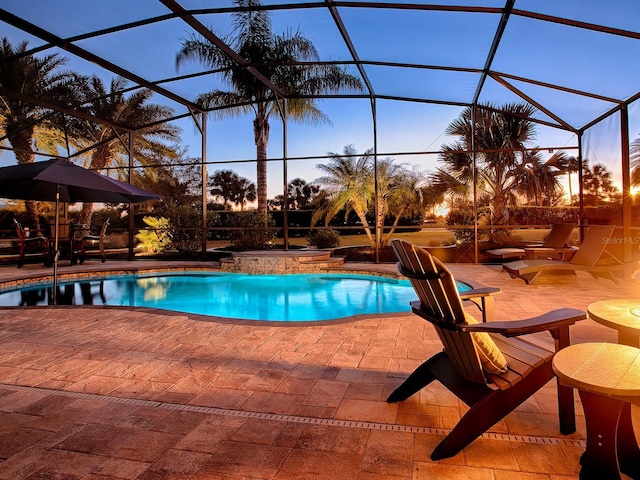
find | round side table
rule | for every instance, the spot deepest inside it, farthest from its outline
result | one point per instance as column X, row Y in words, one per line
column 621, row 315
column 607, row 377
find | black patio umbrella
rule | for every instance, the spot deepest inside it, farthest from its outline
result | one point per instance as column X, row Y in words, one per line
column 58, row 180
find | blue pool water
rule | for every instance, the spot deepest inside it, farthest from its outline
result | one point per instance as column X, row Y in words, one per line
column 303, row 297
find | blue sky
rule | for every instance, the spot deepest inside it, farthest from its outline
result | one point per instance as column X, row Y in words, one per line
column 547, row 52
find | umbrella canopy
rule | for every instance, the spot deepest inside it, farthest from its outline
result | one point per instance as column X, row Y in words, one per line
column 40, row 180
column 58, row 180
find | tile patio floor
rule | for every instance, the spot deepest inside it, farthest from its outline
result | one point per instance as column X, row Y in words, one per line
column 97, row 393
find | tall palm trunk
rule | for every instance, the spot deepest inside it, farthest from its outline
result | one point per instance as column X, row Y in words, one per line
column 98, row 162
column 85, row 216
column 386, row 239
column 21, row 143
column 499, row 210
column 381, row 214
column 261, row 136
column 367, row 229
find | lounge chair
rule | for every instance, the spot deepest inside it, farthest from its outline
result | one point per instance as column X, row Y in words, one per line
column 556, row 244
column 590, row 257
column 25, row 241
column 483, row 364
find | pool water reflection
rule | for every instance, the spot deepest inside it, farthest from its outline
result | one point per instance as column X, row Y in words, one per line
column 299, row 297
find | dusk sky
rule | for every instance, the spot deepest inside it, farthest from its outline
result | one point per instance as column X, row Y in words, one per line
column 546, row 52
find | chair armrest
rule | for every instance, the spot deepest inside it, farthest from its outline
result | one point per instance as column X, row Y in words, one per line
column 481, row 297
column 480, row 292
column 548, row 321
column 39, row 238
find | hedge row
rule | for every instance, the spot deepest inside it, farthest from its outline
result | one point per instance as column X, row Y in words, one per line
column 603, row 214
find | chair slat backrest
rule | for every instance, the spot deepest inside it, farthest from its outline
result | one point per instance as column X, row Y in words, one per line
column 19, row 230
column 103, row 230
column 431, row 280
column 559, row 235
column 593, row 245
column 64, row 229
column 439, row 300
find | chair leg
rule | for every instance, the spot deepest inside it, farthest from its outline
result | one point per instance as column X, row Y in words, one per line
column 489, row 410
column 46, row 256
column 529, row 277
column 21, row 258
column 419, row 378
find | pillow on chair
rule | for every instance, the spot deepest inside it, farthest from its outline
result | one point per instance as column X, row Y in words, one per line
column 491, row 357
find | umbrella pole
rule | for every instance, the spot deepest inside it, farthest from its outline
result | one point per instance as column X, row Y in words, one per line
column 56, row 254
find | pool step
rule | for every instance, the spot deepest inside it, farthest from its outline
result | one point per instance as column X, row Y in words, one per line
column 320, row 264
column 280, row 261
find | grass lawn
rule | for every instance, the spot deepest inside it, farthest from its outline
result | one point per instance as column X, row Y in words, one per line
column 431, row 236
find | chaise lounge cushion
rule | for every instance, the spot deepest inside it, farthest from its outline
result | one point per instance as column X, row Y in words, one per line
column 491, row 357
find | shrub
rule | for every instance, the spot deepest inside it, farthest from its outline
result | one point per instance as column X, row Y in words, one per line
column 461, row 216
column 118, row 239
column 186, row 228
column 117, row 220
column 324, row 238
column 158, row 238
column 251, row 230
column 543, row 215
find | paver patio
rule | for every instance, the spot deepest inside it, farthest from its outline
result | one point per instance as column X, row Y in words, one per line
column 113, row 393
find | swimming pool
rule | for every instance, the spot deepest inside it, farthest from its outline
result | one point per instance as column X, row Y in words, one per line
column 297, row 297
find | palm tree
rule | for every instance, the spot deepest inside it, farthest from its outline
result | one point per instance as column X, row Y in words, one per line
column 350, row 185
column 635, row 161
column 598, row 183
column 399, row 195
column 539, row 179
column 276, row 58
column 301, row 193
column 500, row 139
column 348, row 182
column 245, row 191
column 570, row 164
column 222, row 186
column 134, row 111
column 21, row 123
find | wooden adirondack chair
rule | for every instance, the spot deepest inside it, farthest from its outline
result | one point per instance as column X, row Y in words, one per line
column 94, row 240
column 483, row 364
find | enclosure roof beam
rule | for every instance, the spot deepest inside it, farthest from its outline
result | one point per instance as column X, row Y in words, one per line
column 575, row 23
column 215, row 40
column 7, row 92
column 86, row 55
column 352, row 49
column 502, row 25
column 527, row 98
column 560, row 88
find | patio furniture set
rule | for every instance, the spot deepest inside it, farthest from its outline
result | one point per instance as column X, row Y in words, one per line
column 76, row 248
